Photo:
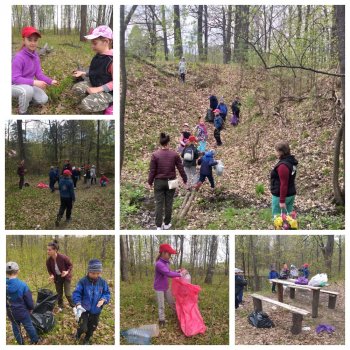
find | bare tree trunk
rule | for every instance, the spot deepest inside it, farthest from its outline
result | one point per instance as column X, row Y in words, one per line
column 21, row 148
column 255, row 264
column 182, row 237
column 227, row 256
column 32, row 15
column 165, row 35
column 200, row 32
column 123, row 260
column 212, row 260
column 98, row 148
column 206, row 32
column 340, row 254
column 83, row 15
column 178, row 50
column 132, row 256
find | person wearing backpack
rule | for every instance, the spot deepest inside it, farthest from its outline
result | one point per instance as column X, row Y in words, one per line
column 206, row 170
column 185, row 134
column 236, row 107
column 223, row 109
column 190, row 155
column 218, row 124
column 162, row 172
column 273, row 274
column 282, row 180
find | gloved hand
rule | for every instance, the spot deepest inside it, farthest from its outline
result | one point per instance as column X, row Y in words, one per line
column 78, row 311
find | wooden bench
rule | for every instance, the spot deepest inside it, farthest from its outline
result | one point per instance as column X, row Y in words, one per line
column 332, row 296
column 297, row 313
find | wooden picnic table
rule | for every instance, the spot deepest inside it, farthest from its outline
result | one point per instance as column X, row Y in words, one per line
column 315, row 293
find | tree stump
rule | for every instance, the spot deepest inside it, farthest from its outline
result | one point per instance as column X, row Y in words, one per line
column 280, row 292
column 257, row 305
column 297, row 320
column 332, row 299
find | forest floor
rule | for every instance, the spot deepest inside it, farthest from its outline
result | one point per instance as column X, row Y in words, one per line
column 160, row 103
column 68, row 53
column 65, row 328
column 138, row 307
column 33, row 208
column 281, row 335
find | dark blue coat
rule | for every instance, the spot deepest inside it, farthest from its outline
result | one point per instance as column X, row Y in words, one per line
column 273, row 274
column 66, row 188
column 206, row 163
column 306, row 272
column 89, row 292
column 218, row 122
column 223, row 110
column 52, row 175
column 19, row 300
column 240, row 282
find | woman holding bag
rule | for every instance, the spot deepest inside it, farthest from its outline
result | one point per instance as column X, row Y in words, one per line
column 163, row 174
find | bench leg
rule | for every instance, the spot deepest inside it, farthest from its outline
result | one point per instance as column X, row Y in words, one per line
column 257, row 305
column 292, row 293
column 332, row 299
column 297, row 320
column 280, row 292
column 315, row 302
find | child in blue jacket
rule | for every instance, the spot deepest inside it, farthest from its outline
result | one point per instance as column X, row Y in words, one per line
column 206, row 170
column 89, row 297
column 273, row 274
column 19, row 305
column 218, row 124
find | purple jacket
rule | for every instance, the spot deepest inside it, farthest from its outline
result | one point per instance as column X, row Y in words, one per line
column 162, row 272
column 26, row 66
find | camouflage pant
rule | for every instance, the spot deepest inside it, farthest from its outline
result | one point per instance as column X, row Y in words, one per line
column 94, row 102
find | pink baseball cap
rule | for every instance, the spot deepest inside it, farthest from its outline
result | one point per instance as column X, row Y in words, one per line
column 103, row 31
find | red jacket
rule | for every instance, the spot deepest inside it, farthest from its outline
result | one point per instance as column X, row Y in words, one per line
column 63, row 263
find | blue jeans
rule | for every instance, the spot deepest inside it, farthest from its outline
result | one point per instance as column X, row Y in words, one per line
column 28, row 326
column 240, row 296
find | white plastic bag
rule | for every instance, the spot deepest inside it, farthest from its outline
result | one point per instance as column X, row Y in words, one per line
column 219, row 168
column 318, row 280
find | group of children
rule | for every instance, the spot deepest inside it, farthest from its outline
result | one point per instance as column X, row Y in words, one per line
column 286, row 272
column 90, row 295
column 96, row 90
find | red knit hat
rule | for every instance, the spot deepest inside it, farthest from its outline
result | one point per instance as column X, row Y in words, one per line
column 306, row 265
column 166, row 248
column 67, row 172
column 28, row 31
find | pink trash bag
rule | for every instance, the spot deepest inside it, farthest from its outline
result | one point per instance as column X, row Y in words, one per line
column 186, row 296
column 109, row 110
column 42, row 185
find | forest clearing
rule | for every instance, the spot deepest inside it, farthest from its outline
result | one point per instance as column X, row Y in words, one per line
column 299, row 103
column 274, row 269
column 29, row 252
column 205, row 259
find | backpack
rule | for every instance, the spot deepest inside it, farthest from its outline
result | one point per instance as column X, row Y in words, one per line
column 210, row 116
column 188, row 154
column 260, row 320
column 234, row 120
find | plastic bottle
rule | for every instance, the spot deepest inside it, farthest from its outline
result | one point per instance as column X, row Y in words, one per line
column 137, row 336
column 153, row 329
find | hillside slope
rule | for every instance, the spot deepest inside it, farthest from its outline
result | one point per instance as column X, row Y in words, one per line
column 157, row 102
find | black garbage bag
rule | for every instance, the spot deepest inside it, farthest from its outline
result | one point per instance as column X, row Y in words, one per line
column 45, row 301
column 43, row 322
column 260, row 320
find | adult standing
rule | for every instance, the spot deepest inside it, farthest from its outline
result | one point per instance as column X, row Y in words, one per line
column 162, row 170
column 282, row 181
column 60, row 269
column 20, row 173
column 182, row 69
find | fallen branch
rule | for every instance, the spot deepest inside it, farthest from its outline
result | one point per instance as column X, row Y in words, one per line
column 160, row 69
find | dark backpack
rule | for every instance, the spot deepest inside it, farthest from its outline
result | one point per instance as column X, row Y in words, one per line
column 188, row 154
column 260, row 320
column 210, row 116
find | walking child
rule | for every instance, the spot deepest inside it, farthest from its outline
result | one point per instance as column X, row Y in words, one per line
column 67, row 196
column 28, row 79
column 93, row 174
column 97, row 88
column 190, row 155
column 161, row 283
column 218, row 124
column 206, row 170
column 201, row 134
column 89, row 297
column 19, row 305
column 182, row 69
column 185, row 135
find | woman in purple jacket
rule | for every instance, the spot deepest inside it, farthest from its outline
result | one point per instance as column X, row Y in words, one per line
column 28, row 79
column 161, row 284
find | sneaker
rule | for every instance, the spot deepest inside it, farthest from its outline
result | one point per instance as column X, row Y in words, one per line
column 166, row 227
